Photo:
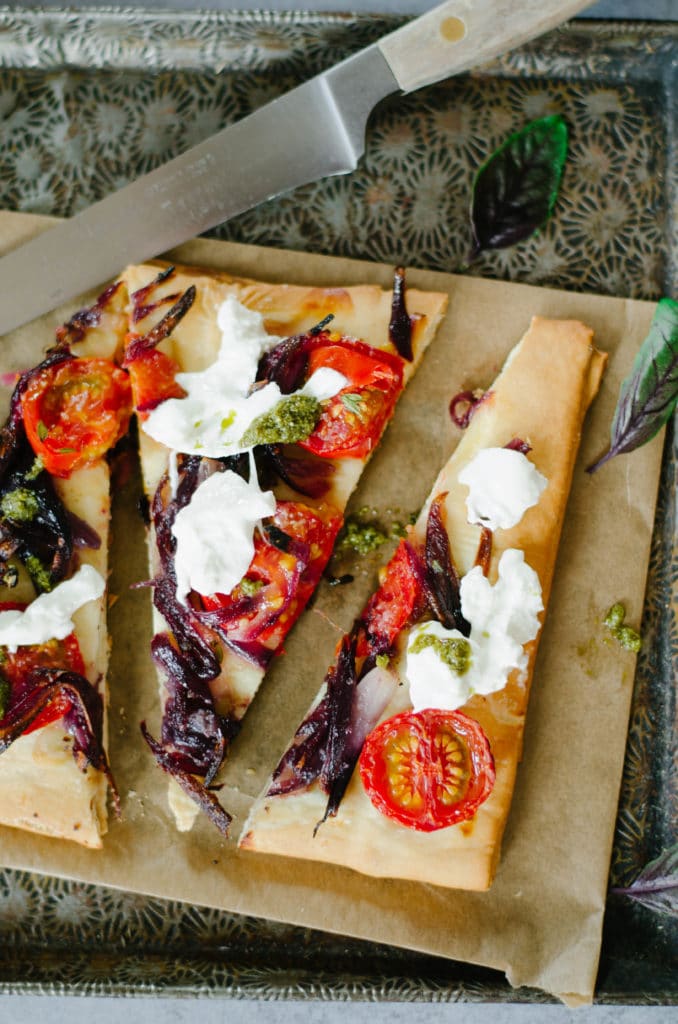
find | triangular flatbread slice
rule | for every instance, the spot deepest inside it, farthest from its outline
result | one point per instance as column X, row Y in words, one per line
column 424, row 802
column 54, row 528
column 340, row 357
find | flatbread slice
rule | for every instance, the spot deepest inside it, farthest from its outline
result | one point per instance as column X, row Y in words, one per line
column 47, row 784
column 176, row 325
column 535, row 408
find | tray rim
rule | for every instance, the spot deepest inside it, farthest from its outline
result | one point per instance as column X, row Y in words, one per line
column 312, row 987
column 52, row 48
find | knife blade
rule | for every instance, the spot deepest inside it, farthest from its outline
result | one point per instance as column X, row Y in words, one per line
column 313, row 131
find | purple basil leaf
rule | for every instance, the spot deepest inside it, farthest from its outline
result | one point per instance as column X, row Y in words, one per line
column 656, row 887
column 649, row 394
column 515, row 190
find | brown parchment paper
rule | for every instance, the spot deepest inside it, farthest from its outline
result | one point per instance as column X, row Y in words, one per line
column 541, row 921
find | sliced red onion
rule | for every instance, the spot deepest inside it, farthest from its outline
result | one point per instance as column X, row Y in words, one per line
column 400, row 326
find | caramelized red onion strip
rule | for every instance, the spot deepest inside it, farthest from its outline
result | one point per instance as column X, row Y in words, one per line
column 141, row 307
column 400, row 325
column 442, row 578
column 302, row 762
column 327, row 744
column 518, row 445
column 308, row 475
column 76, row 328
column 83, row 721
column 193, row 787
column 190, row 725
column 468, row 402
column 144, row 343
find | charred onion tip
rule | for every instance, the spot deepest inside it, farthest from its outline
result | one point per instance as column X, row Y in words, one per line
column 322, row 325
column 328, row 813
column 192, row 786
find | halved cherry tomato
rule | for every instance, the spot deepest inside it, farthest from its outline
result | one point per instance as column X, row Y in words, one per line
column 352, row 421
column 152, row 376
column 427, row 769
column 18, row 666
column 74, row 411
column 398, row 599
column 277, row 585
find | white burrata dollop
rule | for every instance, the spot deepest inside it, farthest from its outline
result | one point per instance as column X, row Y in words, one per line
column 503, row 617
column 502, row 484
column 219, row 407
column 49, row 617
column 215, row 533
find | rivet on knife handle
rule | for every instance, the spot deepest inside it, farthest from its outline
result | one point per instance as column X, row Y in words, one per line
column 461, row 34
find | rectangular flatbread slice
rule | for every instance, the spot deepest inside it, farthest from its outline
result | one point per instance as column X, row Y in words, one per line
column 54, row 777
column 440, row 625
column 204, row 349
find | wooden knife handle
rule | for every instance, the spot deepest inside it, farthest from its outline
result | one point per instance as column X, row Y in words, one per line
column 462, row 34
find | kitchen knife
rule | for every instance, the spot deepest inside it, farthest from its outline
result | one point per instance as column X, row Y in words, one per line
column 316, row 130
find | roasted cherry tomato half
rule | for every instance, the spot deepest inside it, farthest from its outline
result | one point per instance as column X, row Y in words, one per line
column 398, row 599
column 18, row 666
column 352, row 421
column 75, row 411
column 278, row 583
column 427, row 769
column 152, row 376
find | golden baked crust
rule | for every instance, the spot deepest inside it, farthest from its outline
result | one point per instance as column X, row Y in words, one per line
column 42, row 789
column 541, row 396
column 361, row 312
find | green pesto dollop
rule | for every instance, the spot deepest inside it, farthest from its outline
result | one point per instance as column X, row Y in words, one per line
column 292, row 419
column 250, row 587
column 4, row 696
column 36, row 469
column 625, row 635
column 38, row 573
column 615, row 617
column 455, row 651
column 20, row 505
column 362, row 537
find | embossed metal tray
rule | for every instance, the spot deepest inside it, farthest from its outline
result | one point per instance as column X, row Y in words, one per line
column 90, row 100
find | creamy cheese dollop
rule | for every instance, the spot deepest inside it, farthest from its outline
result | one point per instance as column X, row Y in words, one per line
column 503, row 617
column 49, row 617
column 215, row 533
column 220, row 403
column 503, row 484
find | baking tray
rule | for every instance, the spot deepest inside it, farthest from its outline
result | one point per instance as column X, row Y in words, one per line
column 88, row 101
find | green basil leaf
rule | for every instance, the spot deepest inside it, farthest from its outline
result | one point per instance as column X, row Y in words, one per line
column 649, row 394
column 515, row 190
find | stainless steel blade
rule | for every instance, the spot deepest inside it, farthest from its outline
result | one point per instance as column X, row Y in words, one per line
column 313, row 131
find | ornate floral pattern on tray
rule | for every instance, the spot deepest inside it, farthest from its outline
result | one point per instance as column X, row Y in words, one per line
column 91, row 100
